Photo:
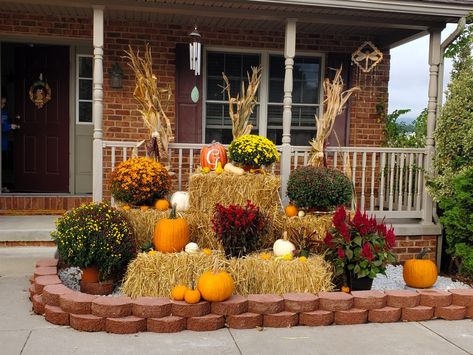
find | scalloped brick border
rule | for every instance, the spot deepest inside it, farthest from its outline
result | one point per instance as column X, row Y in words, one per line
column 123, row 315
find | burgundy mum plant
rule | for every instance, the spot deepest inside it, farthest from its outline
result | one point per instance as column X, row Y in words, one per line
column 360, row 246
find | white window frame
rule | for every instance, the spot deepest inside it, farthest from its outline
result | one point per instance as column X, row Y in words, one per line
column 264, row 86
column 78, row 78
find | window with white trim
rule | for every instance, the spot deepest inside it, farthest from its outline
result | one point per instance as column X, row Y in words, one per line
column 306, row 95
column 84, row 89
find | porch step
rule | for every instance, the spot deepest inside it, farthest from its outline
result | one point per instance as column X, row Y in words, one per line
column 35, row 202
column 26, row 230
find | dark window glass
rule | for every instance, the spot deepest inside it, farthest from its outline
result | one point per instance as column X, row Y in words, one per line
column 85, row 89
column 85, row 111
column 85, row 67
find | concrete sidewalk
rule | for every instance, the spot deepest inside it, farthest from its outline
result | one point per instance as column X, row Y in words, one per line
column 27, row 228
column 22, row 332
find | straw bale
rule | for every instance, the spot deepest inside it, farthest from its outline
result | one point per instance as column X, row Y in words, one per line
column 206, row 190
column 143, row 223
column 155, row 275
column 320, row 223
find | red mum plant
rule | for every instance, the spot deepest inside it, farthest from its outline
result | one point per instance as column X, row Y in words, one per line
column 360, row 246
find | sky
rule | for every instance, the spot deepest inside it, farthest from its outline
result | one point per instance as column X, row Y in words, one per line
column 409, row 76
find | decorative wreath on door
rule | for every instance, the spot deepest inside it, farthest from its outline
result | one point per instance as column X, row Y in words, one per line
column 40, row 92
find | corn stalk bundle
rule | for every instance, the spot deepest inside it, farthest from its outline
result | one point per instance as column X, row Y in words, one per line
column 335, row 100
column 241, row 107
column 151, row 97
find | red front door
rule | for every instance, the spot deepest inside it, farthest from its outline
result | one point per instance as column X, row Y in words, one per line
column 41, row 145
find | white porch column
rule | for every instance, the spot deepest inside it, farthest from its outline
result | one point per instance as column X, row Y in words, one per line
column 289, row 53
column 434, row 62
column 97, row 108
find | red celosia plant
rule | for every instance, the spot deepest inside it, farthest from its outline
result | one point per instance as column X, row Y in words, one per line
column 360, row 246
column 238, row 228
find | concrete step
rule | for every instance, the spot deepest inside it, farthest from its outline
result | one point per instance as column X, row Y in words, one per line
column 27, row 228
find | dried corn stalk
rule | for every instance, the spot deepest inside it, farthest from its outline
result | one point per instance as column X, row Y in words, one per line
column 151, row 98
column 335, row 100
column 241, row 107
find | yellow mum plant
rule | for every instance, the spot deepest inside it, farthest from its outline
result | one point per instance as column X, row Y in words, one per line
column 140, row 181
column 253, row 150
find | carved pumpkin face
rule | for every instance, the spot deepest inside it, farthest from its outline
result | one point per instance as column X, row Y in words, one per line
column 212, row 154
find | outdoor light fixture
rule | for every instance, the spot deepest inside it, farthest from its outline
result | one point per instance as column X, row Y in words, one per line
column 116, row 76
column 195, row 51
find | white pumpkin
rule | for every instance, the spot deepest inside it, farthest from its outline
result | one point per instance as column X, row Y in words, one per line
column 191, row 248
column 301, row 213
column 181, row 200
column 283, row 246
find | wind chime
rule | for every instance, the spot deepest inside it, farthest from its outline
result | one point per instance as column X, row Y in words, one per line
column 195, row 49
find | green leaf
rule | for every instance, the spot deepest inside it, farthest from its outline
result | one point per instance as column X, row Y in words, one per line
column 357, row 240
column 363, row 273
column 356, row 270
column 349, row 254
column 377, row 263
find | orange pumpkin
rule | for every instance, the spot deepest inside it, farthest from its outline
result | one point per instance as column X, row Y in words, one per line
column 345, row 289
column 419, row 273
column 291, row 210
column 161, row 205
column 192, row 296
column 211, row 154
column 171, row 234
column 178, row 292
column 215, row 285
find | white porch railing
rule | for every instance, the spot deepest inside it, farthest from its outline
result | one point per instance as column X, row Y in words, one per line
column 389, row 182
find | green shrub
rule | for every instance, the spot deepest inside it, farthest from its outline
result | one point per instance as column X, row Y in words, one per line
column 465, row 253
column 95, row 234
column 319, row 188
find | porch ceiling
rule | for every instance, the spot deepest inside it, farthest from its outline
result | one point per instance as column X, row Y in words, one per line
column 386, row 28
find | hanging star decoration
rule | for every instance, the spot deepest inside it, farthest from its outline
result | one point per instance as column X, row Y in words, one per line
column 367, row 57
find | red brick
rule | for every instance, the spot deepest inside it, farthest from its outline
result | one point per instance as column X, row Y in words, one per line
column 368, row 299
column 44, row 271
column 31, row 279
column 281, row 320
column 462, row 297
column 169, row 324
column 265, row 304
column 245, row 321
column 56, row 315
column 316, row 318
column 96, row 288
column 402, row 298
column 52, row 293
column 87, row 322
column 351, row 316
column 186, row 310
column 300, row 302
column 206, row 323
column 469, row 312
column 111, row 307
column 151, row 307
column 451, row 312
column 384, row 315
column 76, row 302
column 236, row 304
column 38, row 305
column 42, row 281
column 418, row 313
column 46, row 263
column 335, row 301
column 125, row 325
column 435, row 298
column 32, row 291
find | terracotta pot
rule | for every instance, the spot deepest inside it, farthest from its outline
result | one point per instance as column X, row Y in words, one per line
column 90, row 274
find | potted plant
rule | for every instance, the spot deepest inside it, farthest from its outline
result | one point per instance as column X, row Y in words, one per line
column 318, row 189
column 238, row 228
column 359, row 248
column 252, row 151
column 95, row 235
column 140, row 181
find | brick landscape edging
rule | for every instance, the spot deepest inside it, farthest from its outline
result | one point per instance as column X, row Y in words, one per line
column 123, row 315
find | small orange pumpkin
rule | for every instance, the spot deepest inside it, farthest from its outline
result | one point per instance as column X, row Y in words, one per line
column 178, row 292
column 161, row 205
column 291, row 210
column 192, row 296
column 419, row 273
column 211, row 154
column 345, row 289
column 171, row 234
column 215, row 285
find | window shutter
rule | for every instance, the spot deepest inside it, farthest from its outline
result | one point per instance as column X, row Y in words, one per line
column 342, row 123
column 188, row 113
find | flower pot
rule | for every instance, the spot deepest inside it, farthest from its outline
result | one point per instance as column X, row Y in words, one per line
column 359, row 284
column 90, row 274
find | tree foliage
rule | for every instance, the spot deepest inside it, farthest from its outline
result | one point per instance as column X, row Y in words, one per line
column 405, row 135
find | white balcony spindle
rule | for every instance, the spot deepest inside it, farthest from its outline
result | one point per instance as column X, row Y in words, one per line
column 381, row 188
column 410, row 182
column 391, row 181
column 401, row 180
column 363, row 177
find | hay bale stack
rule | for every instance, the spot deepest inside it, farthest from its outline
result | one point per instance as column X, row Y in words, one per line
column 320, row 223
column 201, row 232
column 155, row 275
column 143, row 223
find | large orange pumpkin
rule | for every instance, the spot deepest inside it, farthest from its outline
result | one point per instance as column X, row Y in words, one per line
column 419, row 273
column 215, row 285
column 171, row 234
column 211, row 154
